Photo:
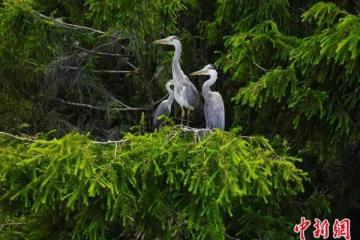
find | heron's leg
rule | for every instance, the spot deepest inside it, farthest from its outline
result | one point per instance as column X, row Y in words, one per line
column 188, row 116
column 182, row 115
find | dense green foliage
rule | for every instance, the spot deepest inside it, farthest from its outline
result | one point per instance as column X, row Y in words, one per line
column 307, row 93
column 185, row 187
column 289, row 71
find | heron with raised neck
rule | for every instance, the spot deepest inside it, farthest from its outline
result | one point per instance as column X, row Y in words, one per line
column 214, row 110
column 185, row 92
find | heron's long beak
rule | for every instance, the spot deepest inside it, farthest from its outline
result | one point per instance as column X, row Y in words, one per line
column 160, row 41
column 198, row 73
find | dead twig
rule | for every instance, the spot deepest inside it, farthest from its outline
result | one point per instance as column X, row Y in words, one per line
column 191, row 129
column 231, row 237
column 18, row 137
column 123, row 57
column 100, row 53
column 60, row 23
column 260, row 67
column 127, row 108
column 120, row 102
column 198, row 132
column 82, row 105
column 96, row 71
column 16, row 224
column 111, row 142
column 148, row 107
column 116, row 143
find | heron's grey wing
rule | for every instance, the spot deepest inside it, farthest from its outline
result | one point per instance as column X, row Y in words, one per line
column 207, row 110
column 162, row 109
column 214, row 111
column 191, row 94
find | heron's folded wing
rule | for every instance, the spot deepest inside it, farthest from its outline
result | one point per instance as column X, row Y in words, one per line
column 215, row 112
column 162, row 109
column 191, row 94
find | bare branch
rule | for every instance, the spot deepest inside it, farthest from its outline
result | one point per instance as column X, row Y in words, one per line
column 82, row 105
column 195, row 130
column 198, row 132
column 131, row 109
column 259, row 66
column 231, row 237
column 97, row 71
column 100, row 53
column 161, row 99
column 112, row 42
column 11, row 224
column 111, row 142
column 18, row 137
column 111, row 71
column 33, row 140
column 126, row 109
column 129, row 63
column 60, row 23
column 127, row 106
column 120, row 102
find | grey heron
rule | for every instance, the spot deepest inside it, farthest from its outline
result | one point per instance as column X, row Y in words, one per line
column 164, row 108
column 185, row 92
column 214, row 110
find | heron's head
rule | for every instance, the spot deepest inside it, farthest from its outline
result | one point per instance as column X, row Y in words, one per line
column 207, row 70
column 169, row 84
column 172, row 40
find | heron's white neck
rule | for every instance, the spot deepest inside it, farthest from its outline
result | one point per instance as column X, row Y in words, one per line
column 175, row 66
column 207, row 84
column 170, row 99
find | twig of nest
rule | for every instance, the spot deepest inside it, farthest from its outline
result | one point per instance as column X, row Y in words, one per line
column 199, row 133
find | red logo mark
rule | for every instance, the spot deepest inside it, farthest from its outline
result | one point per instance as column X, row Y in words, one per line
column 301, row 228
column 342, row 229
column 321, row 228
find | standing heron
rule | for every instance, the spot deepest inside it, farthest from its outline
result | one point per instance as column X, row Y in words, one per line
column 185, row 92
column 164, row 107
column 214, row 105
